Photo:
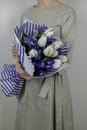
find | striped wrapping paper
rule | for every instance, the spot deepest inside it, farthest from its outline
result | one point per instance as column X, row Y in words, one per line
column 12, row 82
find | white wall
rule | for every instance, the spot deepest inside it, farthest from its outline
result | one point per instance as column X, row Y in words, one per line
column 78, row 72
column 10, row 12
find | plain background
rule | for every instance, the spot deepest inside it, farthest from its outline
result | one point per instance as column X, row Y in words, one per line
column 10, row 12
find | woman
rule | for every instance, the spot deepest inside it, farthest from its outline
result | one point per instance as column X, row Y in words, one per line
column 45, row 104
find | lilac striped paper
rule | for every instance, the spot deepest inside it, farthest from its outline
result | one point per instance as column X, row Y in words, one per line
column 11, row 82
column 65, row 49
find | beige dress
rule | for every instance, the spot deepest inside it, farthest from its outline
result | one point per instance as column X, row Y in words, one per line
column 45, row 104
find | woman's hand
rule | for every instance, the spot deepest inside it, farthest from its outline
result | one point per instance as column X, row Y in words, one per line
column 14, row 52
column 21, row 72
column 19, row 68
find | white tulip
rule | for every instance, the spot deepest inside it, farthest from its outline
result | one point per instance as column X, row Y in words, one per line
column 55, row 53
column 57, row 63
column 57, row 44
column 33, row 53
column 63, row 58
column 49, row 32
column 42, row 41
column 48, row 51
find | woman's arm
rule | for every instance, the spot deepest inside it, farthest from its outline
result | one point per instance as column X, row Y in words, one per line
column 68, row 30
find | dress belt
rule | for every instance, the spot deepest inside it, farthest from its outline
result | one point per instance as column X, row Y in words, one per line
column 47, row 85
column 48, row 81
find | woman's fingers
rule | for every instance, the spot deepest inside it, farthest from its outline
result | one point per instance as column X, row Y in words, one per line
column 14, row 48
column 14, row 52
column 19, row 67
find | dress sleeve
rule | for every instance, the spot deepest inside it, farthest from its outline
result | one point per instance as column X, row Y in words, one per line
column 68, row 31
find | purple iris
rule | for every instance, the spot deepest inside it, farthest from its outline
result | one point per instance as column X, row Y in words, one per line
column 38, row 56
column 40, row 73
column 41, row 64
column 48, row 67
column 43, row 28
column 39, row 52
column 50, row 40
column 32, row 42
column 49, row 62
column 34, row 63
column 53, row 39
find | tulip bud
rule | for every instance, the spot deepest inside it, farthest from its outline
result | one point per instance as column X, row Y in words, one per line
column 55, row 53
column 57, row 64
column 63, row 58
column 33, row 53
column 48, row 51
column 42, row 41
column 57, row 44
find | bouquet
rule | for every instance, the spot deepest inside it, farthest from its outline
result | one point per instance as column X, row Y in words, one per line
column 41, row 54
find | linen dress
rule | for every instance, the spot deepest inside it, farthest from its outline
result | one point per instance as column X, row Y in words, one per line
column 45, row 103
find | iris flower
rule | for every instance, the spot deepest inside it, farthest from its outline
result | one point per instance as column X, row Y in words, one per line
column 32, row 42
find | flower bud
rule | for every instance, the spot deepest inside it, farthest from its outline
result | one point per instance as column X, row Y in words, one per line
column 42, row 41
column 48, row 51
column 63, row 58
column 57, row 44
column 57, row 64
column 33, row 53
column 55, row 53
